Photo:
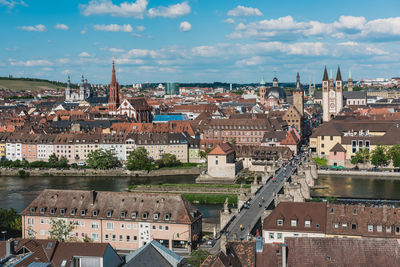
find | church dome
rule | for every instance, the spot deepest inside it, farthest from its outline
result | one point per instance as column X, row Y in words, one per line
column 276, row 92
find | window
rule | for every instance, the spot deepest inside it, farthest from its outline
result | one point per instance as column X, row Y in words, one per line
column 154, row 227
column 331, row 138
column 317, row 226
column 42, row 210
column 144, row 215
column 42, row 232
column 388, row 229
column 95, row 225
column 354, row 211
column 123, row 214
column 133, row 215
column 335, row 225
column 41, row 221
column 293, row 223
column 82, row 223
column 379, row 228
column 52, row 210
column 30, row 221
column 135, row 238
column 62, row 211
column 72, row 212
column 167, row 216
column 370, row 228
column 122, row 226
column 216, row 162
column 307, row 223
column 95, row 236
column 271, row 235
column 322, row 145
column 322, row 138
column 113, row 237
column 279, row 236
column 110, row 226
column 128, row 238
column 360, row 144
column 353, row 226
column 109, row 213
column 397, row 229
column 344, row 225
column 83, row 212
column 95, row 213
column 332, row 210
column 279, row 222
column 160, row 227
column 121, row 238
column 166, row 228
column 155, row 216
column 106, row 237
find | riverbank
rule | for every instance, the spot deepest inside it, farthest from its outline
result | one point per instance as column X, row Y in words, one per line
column 111, row 172
column 366, row 174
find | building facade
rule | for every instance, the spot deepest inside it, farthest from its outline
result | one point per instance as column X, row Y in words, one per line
column 332, row 95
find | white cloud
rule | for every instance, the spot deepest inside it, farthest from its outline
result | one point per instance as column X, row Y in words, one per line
column 172, row 11
column 349, row 43
column 116, row 50
column 12, row 3
column 253, row 61
column 84, row 31
column 229, row 20
column 67, row 71
column 113, row 28
column 31, row 63
column 128, row 61
column 376, row 51
column 185, row 26
column 62, row 27
column 106, row 7
column 141, row 28
column 36, row 28
column 390, row 26
column 242, row 11
column 138, row 52
column 84, row 54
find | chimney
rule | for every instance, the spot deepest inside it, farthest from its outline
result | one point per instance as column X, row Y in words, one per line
column 284, row 255
column 259, row 245
column 93, row 195
column 9, row 248
column 384, row 209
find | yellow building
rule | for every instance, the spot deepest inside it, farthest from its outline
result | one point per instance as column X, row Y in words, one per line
column 3, row 141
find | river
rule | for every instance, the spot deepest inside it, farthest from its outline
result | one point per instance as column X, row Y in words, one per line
column 17, row 193
column 358, row 187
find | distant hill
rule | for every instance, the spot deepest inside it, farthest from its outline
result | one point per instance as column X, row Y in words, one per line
column 29, row 84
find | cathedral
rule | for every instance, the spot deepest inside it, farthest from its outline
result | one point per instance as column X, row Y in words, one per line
column 332, row 95
column 272, row 97
column 76, row 95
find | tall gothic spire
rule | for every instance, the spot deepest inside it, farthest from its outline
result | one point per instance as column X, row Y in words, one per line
column 298, row 84
column 338, row 74
column 113, row 100
column 325, row 78
column 113, row 78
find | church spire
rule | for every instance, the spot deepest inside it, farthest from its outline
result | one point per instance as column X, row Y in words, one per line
column 325, row 78
column 113, row 100
column 338, row 74
column 298, row 84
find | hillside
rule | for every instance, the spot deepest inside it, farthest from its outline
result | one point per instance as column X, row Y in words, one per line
column 29, row 84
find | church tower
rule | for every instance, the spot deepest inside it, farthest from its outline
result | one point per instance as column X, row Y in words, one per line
column 263, row 91
column 350, row 83
column 339, row 91
column 332, row 95
column 113, row 99
column 298, row 96
column 82, row 89
column 68, row 90
column 325, row 95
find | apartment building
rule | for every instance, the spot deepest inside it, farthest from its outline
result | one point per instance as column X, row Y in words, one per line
column 309, row 219
column 45, row 146
column 126, row 220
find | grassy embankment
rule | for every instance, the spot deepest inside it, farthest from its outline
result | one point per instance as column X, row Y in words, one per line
column 17, row 85
column 321, row 161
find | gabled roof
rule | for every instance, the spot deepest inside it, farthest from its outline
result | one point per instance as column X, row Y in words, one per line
column 338, row 148
column 153, row 254
column 223, row 149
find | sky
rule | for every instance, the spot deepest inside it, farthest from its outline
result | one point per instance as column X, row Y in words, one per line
column 199, row 40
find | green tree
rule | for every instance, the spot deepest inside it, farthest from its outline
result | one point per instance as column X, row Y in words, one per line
column 60, row 230
column 138, row 159
column 361, row 156
column 62, row 163
column 197, row 257
column 232, row 141
column 203, row 154
column 168, row 160
column 102, row 159
column 53, row 160
column 394, row 154
column 379, row 156
column 10, row 219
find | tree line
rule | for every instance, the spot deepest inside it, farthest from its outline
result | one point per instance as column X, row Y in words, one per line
column 381, row 156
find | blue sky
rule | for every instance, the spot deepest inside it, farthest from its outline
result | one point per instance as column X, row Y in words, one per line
column 198, row 40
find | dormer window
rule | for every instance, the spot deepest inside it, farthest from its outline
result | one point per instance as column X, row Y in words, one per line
column 279, row 222
column 52, row 210
column 123, row 214
column 355, row 211
column 95, row 213
column 133, row 215
column 307, row 223
column 145, row 215
column 109, row 213
column 293, row 223
column 155, row 216
column 83, row 212
column 42, row 210
column 72, row 212
column 33, row 209
column 62, row 211
column 167, row 216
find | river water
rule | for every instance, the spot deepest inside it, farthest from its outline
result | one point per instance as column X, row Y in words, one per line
column 17, row 193
column 358, row 187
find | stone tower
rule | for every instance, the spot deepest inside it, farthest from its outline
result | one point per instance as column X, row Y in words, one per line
column 332, row 95
column 263, row 90
column 113, row 100
column 350, row 84
column 68, row 90
column 298, row 96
